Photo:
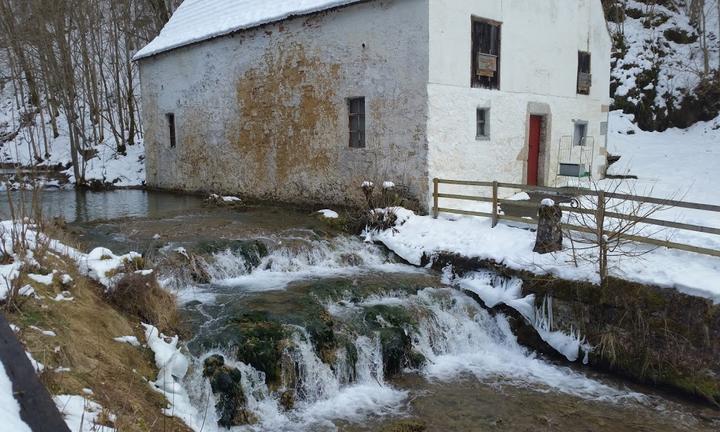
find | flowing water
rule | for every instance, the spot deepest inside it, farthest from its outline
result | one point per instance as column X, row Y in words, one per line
column 331, row 333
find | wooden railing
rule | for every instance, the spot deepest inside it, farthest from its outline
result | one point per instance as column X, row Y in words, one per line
column 602, row 196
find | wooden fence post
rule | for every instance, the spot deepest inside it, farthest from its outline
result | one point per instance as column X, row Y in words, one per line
column 435, row 197
column 494, row 204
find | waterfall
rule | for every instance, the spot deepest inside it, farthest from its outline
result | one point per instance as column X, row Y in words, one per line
column 455, row 336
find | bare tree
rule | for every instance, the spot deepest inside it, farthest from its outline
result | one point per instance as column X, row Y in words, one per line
column 609, row 222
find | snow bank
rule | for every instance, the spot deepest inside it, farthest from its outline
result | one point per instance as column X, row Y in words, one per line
column 198, row 20
column 81, row 414
column 130, row 340
column 102, row 265
column 173, row 366
column 329, row 214
column 9, row 407
column 474, row 237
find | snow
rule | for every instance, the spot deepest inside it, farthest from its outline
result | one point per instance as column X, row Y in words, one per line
column 81, row 414
column 676, row 162
column 172, row 367
column 131, row 340
column 329, row 214
column 42, row 279
column 9, row 407
column 101, row 264
column 474, row 237
column 199, row 20
column 39, row 367
column 677, row 69
column 225, row 199
column 44, row 332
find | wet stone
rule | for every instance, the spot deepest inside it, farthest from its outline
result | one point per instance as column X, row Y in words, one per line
column 225, row 383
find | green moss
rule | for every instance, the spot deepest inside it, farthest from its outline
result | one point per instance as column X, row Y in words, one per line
column 251, row 250
column 396, row 316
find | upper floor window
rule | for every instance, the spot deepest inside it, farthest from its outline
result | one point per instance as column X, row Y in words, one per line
column 356, row 110
column 485, row 54
column 171, row 128
column 584, row 77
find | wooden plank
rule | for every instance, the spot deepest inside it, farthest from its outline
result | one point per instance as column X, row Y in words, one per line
column 520, row 203
column 650, row 241
column 648, row 221
column 37, row 408
column 464, row 197
column 465, row 212
column 465, row 182
column 665, row 202
column 530, row 221
column 494, row 204
column 556, row 191
column 435, row 198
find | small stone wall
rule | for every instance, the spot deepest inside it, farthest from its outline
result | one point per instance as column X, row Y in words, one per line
column 647, row 334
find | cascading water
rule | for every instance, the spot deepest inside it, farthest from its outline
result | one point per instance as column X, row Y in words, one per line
column 334, row 361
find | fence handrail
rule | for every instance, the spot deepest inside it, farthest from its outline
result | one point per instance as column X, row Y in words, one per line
column 496, row 216
column 589, row 192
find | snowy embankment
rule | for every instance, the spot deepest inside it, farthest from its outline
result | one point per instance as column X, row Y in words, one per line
column 21, row 245
column 108, row 166
column 474, row 237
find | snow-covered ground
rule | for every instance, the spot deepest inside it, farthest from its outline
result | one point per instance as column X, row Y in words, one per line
column 108, row 166
column 679, row 66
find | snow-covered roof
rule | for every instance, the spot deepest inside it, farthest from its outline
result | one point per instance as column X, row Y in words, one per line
column 199, row 20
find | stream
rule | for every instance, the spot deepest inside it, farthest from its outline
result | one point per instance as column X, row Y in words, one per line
column 321, row 331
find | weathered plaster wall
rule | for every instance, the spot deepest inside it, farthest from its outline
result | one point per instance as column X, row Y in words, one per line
column 539, row 45
column 263, row 113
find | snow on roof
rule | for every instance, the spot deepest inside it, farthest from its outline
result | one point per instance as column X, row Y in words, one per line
column 199, row 20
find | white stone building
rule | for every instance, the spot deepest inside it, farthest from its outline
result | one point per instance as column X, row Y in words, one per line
column 303, row 100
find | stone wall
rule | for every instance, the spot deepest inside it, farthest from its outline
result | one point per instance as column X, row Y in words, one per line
column 263, row 113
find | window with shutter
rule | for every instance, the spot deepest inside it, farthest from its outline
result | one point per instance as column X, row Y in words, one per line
column 584, row 77
column 485, row 54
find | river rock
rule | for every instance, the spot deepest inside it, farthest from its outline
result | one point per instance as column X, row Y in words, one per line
column 226, row 386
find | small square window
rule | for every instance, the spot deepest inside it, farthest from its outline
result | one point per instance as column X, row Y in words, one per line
column 171, row 128
column 580, row 134
column 482, row 123
column 356, row 122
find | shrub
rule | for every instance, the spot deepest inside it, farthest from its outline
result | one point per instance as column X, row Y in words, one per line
column 141, row 295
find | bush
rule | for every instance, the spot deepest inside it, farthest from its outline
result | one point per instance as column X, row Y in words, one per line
column 141, row 295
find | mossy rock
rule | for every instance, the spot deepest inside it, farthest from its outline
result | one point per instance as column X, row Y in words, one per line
column 259, row 342
column 680, row 36
column 251, row 250
column 634, row 13
column 408, row 425
column 397, row 351
column 225, row 383
column 396, row 316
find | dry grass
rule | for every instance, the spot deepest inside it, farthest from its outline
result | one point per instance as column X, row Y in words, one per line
column 140, row 296
column 117, row 373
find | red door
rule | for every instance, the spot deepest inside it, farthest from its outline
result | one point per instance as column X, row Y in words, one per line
column 534, row 150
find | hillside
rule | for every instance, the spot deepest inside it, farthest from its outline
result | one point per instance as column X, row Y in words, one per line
column 665, row 61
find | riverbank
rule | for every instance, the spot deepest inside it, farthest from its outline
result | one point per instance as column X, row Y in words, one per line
column 85, row 344
column 657, row 321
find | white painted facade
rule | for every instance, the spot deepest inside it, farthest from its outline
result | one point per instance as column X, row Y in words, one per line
column 263, row 112
column 539, row 48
